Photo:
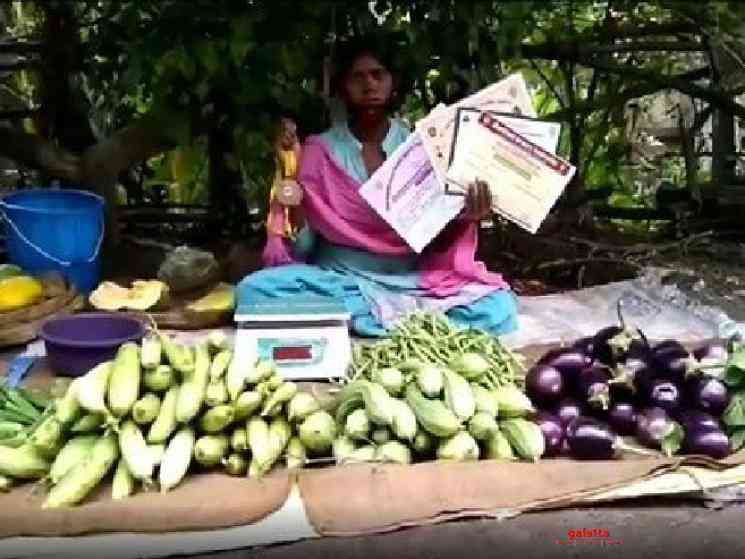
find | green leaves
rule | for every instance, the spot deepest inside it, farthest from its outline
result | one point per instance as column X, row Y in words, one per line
column 734, row 375
column 734, row 415
column 241, row 40
column 737, row 439
column 673, row 441
column 208, row 53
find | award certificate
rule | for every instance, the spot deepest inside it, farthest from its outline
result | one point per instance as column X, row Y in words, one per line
column 407, row 193
column 525, row 179
column 437, row 129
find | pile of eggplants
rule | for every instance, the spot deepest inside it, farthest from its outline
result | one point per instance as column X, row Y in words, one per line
column 617, row 384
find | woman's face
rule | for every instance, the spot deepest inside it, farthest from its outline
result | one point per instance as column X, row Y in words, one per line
column 368, row 84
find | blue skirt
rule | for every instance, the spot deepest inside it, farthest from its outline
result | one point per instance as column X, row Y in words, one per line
column 495, row 313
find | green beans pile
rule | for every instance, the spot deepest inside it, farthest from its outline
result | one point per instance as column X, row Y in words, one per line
column 432, row 338
column 20, row 410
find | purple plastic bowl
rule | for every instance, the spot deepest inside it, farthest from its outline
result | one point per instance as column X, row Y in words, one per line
column 75, row 344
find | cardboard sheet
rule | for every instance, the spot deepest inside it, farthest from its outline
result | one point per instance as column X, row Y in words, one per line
column 286, row 525
column 389, row 497
column 203, row 501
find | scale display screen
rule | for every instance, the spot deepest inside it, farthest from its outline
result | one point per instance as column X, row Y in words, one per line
column 292, row 353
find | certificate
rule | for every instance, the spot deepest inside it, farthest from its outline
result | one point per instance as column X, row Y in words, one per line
column 543, row 133
column 437, row 129
column 407, row 193
column 525, row 179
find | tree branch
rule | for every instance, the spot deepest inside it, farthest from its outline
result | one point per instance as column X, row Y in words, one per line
column 20, row 47
column 647, row 46
column 719, row 98
column 34, row 151
column 669, row 28
column 639, row 90
column 144, row 138
column 548, row 83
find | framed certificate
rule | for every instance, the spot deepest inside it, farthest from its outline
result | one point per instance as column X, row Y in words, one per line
column 525, row 178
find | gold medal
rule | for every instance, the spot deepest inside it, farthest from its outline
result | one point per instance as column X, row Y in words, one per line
column 289, row 193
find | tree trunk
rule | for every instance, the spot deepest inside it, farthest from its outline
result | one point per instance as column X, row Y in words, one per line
column 223, row 198
column 723, row 148
column 64, row 117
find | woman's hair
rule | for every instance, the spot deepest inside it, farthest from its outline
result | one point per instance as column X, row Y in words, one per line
column 384, row 49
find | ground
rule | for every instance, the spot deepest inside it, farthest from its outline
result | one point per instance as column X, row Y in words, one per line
column 643, row 529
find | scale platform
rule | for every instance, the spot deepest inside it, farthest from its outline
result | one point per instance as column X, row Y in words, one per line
column 308, row 337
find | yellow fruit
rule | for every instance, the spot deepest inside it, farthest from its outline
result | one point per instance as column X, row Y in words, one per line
column 143, row 295
column 19, row 292
column 220, row 300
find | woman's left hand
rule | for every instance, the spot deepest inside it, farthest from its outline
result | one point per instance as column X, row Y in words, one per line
column 478, row 202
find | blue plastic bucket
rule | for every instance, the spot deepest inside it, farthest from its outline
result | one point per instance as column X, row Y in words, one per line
column 56, row 230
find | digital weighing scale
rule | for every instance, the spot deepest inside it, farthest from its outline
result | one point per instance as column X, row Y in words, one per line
column 308, row 337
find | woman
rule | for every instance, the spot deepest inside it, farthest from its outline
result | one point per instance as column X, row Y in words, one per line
column 347, row 251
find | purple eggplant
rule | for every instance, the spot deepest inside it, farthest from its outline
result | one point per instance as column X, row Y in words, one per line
column 664, row 394
column 636, row 370
column 590, row 439
column 586, row 346
column 696, row 420
column 709, row 442
column 553, row 432
column 568, row 361
column 711, row 353
column 602, row 344
column 568, row 410
column 655, row 429
column 622, row 418
column 613, row 343
column 594, row 388
column 544, row 385
column 672, row 360
column 708, row 394
column 669, row 345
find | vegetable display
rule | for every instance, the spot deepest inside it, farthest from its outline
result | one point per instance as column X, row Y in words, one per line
column 162, row 409
column 434, row 391
column 616, row 384
column 20, row 412
column 150, row 416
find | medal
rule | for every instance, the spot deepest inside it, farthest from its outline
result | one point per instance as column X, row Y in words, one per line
column 289, row 193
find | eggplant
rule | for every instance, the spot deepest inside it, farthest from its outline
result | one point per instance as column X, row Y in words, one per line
column 636, row 370
column 713, row 353
column 664, row 394
column 544, row 385
column 708, row 394
column 591, row 439
column 602, row 347
column 568, row 410
column 696, row 420
column 568, row 361
column 622, row 418
column 586, row 346
column 672, row 361
column 669, row 345
column 553, row 432
column 612, row 343
column 655, row 429
column 709, row 442
column 594, row 387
